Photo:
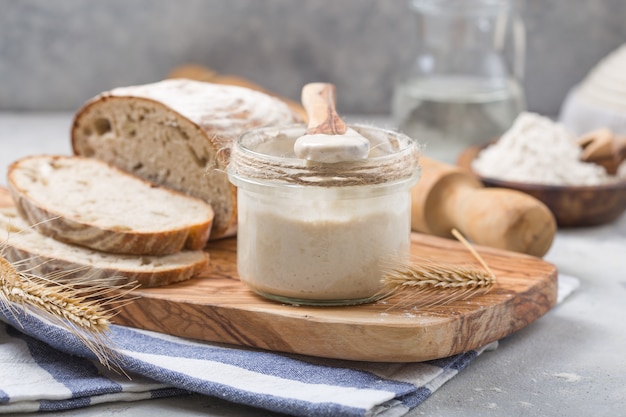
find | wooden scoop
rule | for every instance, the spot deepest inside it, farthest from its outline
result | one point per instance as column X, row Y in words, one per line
column 604, row 148
column 328, row 138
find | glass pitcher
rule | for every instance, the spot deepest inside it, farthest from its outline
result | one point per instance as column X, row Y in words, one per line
column 464, row 85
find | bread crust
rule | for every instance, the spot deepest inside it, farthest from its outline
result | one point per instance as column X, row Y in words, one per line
column 177, row 133
column 61, row 221
column 40, row 255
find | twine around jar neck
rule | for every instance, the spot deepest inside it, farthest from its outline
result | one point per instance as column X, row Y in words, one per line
column 402, row 163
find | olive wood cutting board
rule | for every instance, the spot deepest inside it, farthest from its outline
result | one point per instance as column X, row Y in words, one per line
column 216, row 306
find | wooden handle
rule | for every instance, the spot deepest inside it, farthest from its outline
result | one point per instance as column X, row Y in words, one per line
column 603, row 147
column 620, row 148
column 447, row 197
column 318, row 100
column 507, row 219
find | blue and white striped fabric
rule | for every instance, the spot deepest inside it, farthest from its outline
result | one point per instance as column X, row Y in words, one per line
column 44, row 367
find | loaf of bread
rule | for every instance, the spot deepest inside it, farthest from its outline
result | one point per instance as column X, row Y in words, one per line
column 29, row 250
column 177, row 133
column 202, row 73
column 87, row 202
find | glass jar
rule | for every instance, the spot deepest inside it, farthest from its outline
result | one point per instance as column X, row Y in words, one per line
column 463, row 86
column 321, row 233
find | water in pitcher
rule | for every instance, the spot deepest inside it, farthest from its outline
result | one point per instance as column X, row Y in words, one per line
column 449, row 113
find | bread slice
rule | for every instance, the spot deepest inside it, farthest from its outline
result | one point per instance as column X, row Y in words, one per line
column 177, row 133
column 31, row 251
column 87, row 202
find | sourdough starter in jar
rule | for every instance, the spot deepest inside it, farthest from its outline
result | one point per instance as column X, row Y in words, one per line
column 320, row 233
column 328, row 249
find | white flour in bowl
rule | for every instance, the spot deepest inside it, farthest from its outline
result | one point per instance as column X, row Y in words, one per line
column 537, row 150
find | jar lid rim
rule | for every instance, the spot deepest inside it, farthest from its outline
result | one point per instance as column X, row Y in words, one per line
column 248, row 162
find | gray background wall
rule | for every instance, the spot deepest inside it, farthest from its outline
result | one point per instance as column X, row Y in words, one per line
column 55, row 54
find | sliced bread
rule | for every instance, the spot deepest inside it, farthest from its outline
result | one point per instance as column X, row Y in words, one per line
column 29, row 250
column 177, row 133
column 87, row 202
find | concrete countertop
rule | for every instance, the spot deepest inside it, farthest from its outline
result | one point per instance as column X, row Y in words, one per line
column 568, row 363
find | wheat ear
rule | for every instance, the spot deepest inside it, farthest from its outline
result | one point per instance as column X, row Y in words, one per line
column 424, row 283
column 84, row 307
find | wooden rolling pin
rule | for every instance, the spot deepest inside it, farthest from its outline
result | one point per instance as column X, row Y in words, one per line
column 449, row 197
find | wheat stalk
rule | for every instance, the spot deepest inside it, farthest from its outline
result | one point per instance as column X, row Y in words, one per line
column 83, row 306
column 424, row 283
column 77, row 300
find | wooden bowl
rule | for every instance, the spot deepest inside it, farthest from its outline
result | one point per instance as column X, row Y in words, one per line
column 572, row 206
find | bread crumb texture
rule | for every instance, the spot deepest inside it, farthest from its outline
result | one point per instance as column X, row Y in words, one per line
column 95, row 192
column 177, row 133
column 42, row 255
column 88, row 202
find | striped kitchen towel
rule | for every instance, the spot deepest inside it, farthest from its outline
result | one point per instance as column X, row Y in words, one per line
column 44, row 367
